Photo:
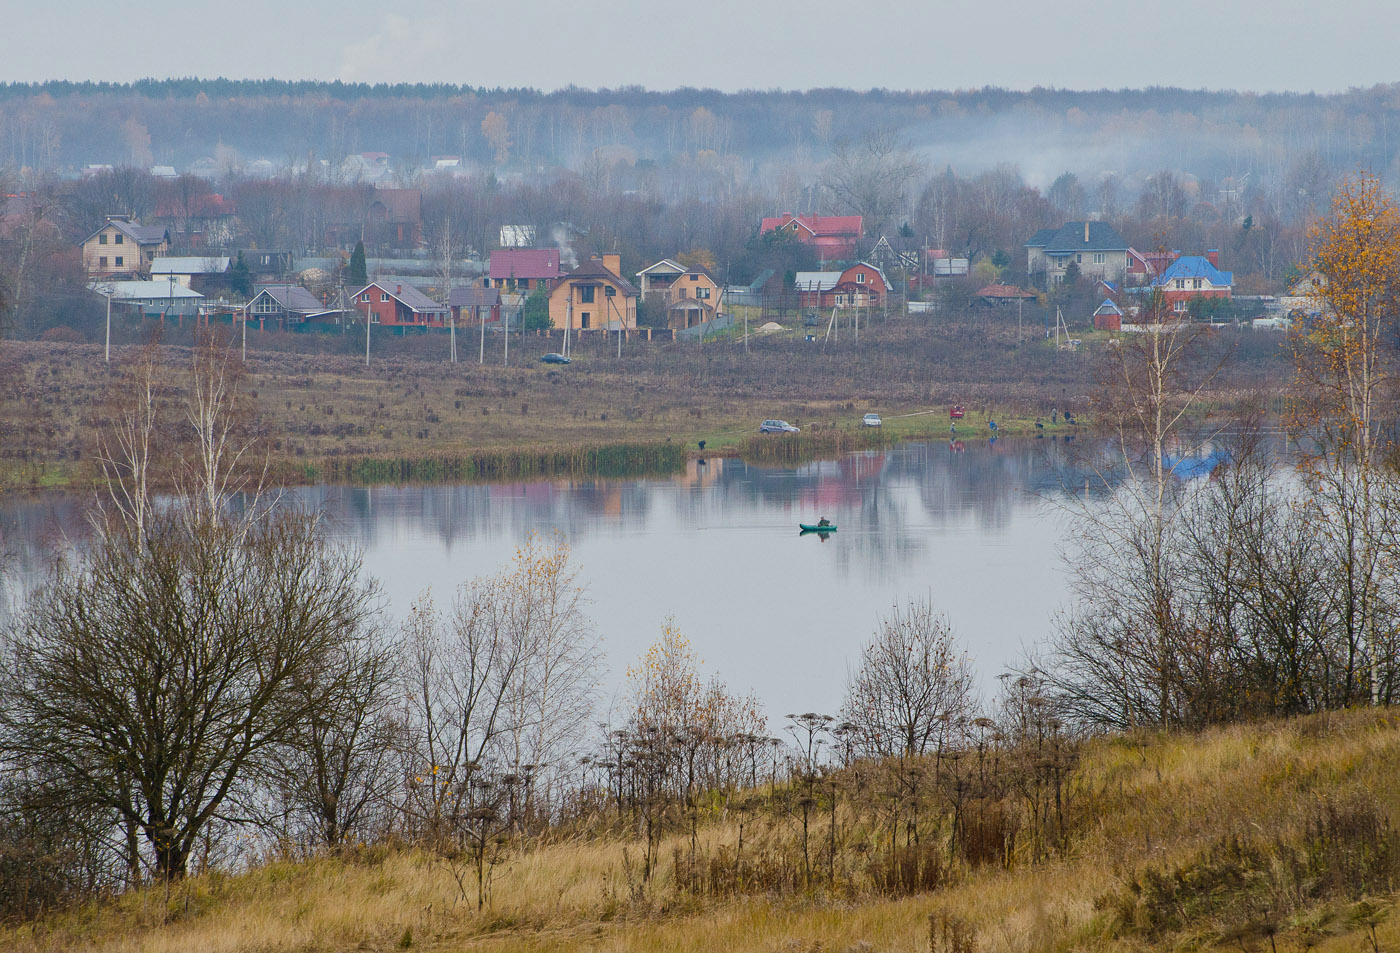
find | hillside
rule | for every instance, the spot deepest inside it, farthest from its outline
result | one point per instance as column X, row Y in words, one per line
column 1275, row 836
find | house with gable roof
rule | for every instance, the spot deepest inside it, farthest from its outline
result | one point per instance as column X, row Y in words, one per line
column 1095, row 248
column 523, row 269
column 834, row 237
column 286, row 306
column 862, row 285
column 122, row 248
column 1191, row 278
column 400, row 306
column 690, row 295
column 594, row 296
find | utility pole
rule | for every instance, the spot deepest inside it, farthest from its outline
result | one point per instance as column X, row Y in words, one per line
column 369, row 312
column 505, row 317
column 109, row 324
column 568, row 321
column 1019, row 303
column 481, row 357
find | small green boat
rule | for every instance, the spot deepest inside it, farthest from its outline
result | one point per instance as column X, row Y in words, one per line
column 817, row 527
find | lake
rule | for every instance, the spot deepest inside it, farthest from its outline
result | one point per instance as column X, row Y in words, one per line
column 717, row 549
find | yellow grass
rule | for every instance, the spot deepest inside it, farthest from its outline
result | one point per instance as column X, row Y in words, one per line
column 1144, row 800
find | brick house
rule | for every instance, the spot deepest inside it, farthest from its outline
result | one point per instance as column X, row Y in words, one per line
column 523, row 269
column 1193, row 277
column 400, row 306
column 834, row 237
column 122, row 249
column 594, row 296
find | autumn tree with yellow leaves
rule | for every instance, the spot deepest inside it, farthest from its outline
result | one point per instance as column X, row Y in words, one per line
column 1345, row 388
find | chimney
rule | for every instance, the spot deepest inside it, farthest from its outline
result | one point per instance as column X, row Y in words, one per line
column 398, row 289
column 1086, row 233
column 1213, row 256
column 613, row 263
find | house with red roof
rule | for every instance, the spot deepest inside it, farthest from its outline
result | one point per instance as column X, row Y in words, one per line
column 834, row 237
column 862, row 285
column 1004, row 295
column 523, row 269
column 400, row 306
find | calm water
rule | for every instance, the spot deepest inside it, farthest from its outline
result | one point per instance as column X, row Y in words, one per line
column 718, row 550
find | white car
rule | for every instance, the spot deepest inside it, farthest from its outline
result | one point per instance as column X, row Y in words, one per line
column 870, row 420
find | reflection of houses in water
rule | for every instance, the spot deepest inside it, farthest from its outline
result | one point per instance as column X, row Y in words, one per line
column 701, row 472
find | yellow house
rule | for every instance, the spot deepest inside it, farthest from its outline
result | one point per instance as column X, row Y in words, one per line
column 121, row 248
column 593, row 297
column 689, row 295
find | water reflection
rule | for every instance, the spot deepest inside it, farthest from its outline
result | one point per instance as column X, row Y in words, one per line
column 717, row 547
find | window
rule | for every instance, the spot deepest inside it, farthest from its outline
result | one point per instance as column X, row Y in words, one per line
column 383, row 297
column 583, row 320
column 101, row 239
column 119, row 261
column 1179, row 306
column 611, row 292
column 265, row 305
column 585, row 294
column 1196, row 284
column 681, row 293
column 702, row 293
column 1079, row 259
column 365, row 298
column 119, row 238
column 102, row 262
column 860, row 277
column 1098, row 258
column 694, row 277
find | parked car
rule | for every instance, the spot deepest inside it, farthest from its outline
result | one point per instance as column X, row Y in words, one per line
column 777, row 426
column 870, row 420
column 553, row 358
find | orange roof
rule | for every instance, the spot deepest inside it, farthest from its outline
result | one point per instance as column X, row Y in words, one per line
column 1004, row 291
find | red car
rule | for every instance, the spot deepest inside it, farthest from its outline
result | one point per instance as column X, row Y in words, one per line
column 956, row 412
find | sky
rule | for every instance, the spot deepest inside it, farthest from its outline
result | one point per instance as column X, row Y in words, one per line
column 1259, row 45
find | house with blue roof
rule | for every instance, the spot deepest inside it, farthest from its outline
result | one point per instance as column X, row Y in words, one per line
column 1191, row 278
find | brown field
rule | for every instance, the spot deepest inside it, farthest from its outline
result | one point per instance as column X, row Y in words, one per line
column 316, row 402
column 1224, row 840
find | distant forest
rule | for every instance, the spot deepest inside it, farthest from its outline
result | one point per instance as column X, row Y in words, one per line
column 656, row 174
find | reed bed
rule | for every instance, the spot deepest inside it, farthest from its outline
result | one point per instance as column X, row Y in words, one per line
column 609, row 461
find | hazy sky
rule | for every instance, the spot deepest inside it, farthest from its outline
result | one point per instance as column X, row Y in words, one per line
column 728, row 44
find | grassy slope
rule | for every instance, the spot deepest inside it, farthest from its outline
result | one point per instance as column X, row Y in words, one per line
column 1141, row 801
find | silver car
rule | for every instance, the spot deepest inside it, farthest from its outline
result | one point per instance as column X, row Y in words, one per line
column 777, row 426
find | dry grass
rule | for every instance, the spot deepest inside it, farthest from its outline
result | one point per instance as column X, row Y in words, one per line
column 1143, row 802
column 317, row 401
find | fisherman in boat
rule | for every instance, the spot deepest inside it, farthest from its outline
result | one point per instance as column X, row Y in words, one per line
column 823, row 522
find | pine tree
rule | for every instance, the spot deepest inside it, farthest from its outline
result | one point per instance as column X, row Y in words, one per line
column 359, row 274
column 240, row 279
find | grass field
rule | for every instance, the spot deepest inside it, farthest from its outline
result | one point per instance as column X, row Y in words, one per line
column 1229, row 839
column 410, row 404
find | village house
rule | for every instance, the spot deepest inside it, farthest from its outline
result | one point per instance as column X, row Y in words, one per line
column 399, row 306
column 472, row 305
column 1191, row 278
column 1004, row 296
column 834, row 237
column 148, row 298
column 286, row 306
column 123, row 249
column 860, row 286
column 690, row 296
column 1095, row 248
column 594, row 296
column 205, row 275
column 523, row 269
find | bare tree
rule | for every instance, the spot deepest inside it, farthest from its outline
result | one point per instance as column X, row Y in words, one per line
column 913, row 687
column 153, row 673
column 871, row 178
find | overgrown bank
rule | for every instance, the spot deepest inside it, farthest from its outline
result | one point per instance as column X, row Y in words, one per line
column 1280, row 835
